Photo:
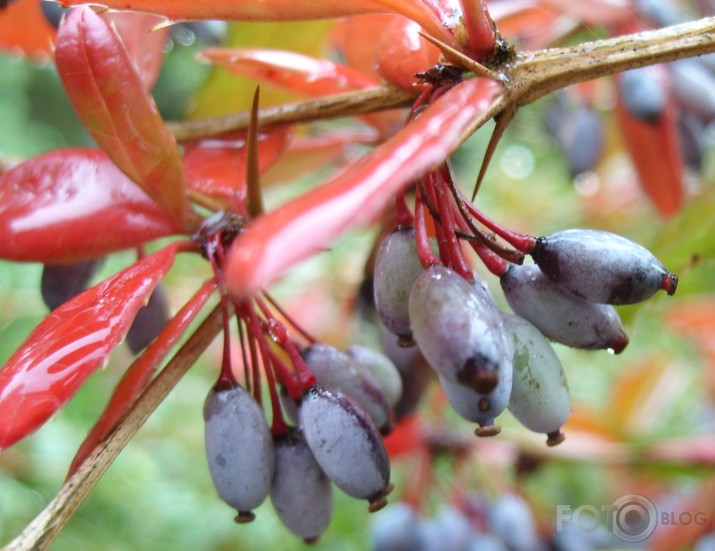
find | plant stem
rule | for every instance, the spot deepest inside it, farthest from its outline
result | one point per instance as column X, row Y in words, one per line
column 361, row 102
column 528, row 77
column 44, row 529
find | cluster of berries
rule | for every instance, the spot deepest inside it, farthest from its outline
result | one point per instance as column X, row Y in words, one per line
column 487, row 360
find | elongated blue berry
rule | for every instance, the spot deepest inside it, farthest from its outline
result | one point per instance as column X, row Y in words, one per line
column 336, row 370
column 382, row 369
column 539, row 391
column 511, row 519
column 643, row 93
column 397, row 267
column 61, row 282
column 559, row 315
column 239, row 449
column 480, row 408
column 301, row 494
column 601, row 266
column 149, row 321
column 458, row 330
column 396, row 528
column 346, row 444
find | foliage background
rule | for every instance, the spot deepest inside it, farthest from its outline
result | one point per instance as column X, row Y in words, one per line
column 158, row 494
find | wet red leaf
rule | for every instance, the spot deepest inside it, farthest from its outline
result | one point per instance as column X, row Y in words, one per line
column 296, row 72
column 139, row 374
column 74, row 204
column 356, row 196
column 285, row 10
column 70, row 344
column 24, row 29
column 144, row 37
column 217, row 167
column 108, row 94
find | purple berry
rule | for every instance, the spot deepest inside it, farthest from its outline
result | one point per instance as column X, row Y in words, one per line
column 346, row 445
column 381, row 368
column 149, row 321
column 601, row 266
column 396, row 528
column 539, row 392
column 397, row 267
column 458, row 330
column 336, row 370
column 480, row 408
column 301, row 494
column 61, row 282
column 239, row 449
column 414, row 371
column 559, row 315
column 511, row 520
column 643, row 93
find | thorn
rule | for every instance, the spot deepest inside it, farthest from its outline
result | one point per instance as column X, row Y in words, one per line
column 253, row 177
column 502, row 121
column 458, row 58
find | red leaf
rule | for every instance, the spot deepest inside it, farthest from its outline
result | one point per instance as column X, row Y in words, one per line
column 23, row 28
column 655, row 152
column 108, row 95
column 217, row 167
column 144, row 38
column 286, row 10
column 276, row 241
column 139, row 374
column 297, row 72
column 72, row 343
column 74, row 204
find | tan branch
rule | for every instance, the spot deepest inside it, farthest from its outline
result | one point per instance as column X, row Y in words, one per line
column 350, row 104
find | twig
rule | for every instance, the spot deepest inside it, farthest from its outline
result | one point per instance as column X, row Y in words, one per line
column 528, row 77
column 44, row 529
column 361, row 102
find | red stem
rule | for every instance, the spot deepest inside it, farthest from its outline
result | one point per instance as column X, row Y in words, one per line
column 481, row 30
column 454, row 249
column 226, row 378
column 289, row 319
column 424, row 251
column 403, row 215
column 522, row 242
column 244, row 355
column 286, row 377
column 431, row 194
column 278, row 426
column 280, row 335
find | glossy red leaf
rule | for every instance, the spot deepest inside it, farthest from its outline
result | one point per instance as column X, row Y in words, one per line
column 109, row 97
column 217, row 167
column 356, row 38
column 74, row 204
column 358, row 195
column 308, row 154
column 70, row 344
column 144, row 36
column 656, row 155
column 285, row 10
column 24, row 29
column 297, row 72
column 139, row 373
